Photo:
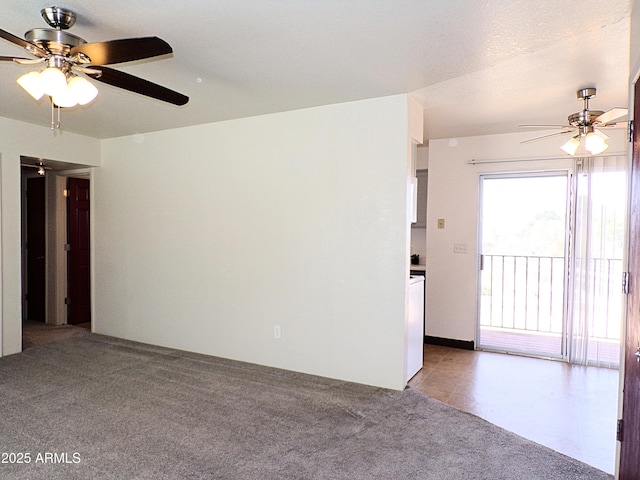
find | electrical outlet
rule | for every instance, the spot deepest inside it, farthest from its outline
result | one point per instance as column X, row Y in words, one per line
column 441, row 223
column 277, row 332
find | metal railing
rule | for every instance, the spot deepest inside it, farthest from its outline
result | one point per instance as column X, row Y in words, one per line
column 527, row 293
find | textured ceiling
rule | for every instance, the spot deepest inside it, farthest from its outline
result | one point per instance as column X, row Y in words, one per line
column 478, row 67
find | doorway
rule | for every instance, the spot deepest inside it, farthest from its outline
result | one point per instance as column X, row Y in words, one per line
column 47, row 208
column 34, row 233
column 523, row 245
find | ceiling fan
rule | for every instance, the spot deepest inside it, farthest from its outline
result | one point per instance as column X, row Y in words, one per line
column 586, row 126
column 66, row 55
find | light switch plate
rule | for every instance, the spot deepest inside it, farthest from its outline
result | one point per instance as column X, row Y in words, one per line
column 460, row 248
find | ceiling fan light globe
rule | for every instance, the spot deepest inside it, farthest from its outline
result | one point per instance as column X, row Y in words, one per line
column 595, row 144
column 53, row 80
column 82, row 90
column 65, row 99
column 571, row 146
column 599, row 149
column 32, row 84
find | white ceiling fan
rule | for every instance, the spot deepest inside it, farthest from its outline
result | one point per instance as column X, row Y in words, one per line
column 586, row 126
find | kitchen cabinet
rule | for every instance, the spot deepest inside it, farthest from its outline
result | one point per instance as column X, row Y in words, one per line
column 421, row 270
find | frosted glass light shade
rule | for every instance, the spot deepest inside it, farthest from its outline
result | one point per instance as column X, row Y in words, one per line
column 31, row 83
column 82, row 90
column 571, row 146
column 53, row 81
column 595, row 144
column 65, row 98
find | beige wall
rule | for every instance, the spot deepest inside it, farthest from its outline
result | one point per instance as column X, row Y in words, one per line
column 207, row 237
column 16, row 139
column 634, row 62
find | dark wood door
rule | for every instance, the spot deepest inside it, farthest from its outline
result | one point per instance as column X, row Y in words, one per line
column 35, row 249
column 78, row 270
column 630, row 446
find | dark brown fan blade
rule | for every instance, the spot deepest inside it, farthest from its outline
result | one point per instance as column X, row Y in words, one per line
column 11, row 59
column 31, row 47
column 123, row 50
column 138, row 85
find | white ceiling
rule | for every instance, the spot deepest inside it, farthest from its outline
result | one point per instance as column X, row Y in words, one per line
column 478, row 66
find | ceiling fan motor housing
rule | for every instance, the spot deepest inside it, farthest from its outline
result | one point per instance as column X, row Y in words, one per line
column 583, row 118
column 57, row 42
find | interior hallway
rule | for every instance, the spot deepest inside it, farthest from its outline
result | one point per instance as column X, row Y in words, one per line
column 39, row 333
column 568, row 408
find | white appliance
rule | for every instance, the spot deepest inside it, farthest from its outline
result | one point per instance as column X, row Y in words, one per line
column 415, row 327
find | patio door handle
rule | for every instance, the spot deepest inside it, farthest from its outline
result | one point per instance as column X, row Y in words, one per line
column 637, row 354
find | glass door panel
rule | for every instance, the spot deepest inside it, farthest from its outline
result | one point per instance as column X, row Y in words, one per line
column 523, row 225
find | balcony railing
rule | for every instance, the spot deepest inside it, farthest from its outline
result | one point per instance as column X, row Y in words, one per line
column 527, row 294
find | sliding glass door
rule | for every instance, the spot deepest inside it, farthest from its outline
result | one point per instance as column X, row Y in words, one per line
column 523, row 263
column 551, row 269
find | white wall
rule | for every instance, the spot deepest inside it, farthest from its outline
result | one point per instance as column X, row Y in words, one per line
column 634, row 56
column 453, row 196
column 16, row 139
column 208, row 236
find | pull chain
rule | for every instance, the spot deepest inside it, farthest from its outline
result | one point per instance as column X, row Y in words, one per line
column 55, row 123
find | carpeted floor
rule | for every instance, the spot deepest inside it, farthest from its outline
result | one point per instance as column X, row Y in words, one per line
column 93, row 407
column 36, row 333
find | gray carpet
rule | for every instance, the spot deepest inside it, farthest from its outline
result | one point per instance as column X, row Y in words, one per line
column 93, row 407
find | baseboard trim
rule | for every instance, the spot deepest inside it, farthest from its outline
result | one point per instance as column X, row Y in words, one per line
column 449, row 342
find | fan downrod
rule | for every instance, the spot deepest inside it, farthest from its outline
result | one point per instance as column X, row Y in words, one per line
column 586, row 117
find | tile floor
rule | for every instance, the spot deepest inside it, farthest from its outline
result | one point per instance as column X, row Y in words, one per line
column 570, row 409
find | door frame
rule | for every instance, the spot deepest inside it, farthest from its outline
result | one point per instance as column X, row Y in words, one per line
column 56, row 297
column 633, row 98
